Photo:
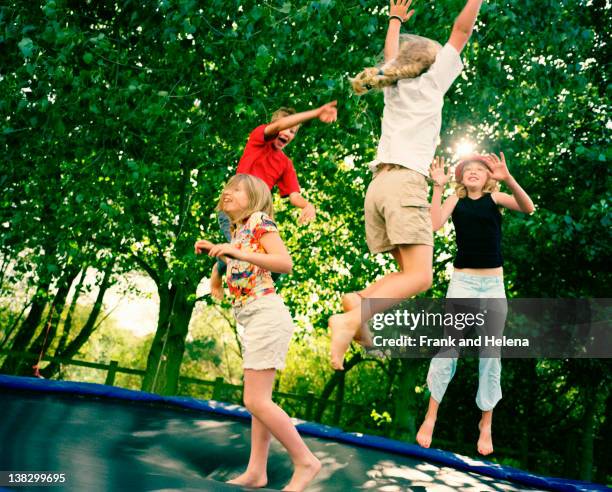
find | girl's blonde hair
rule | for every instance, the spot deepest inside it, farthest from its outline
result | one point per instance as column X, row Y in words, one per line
column 416, row 54
column 491, row 186
column 258, row 194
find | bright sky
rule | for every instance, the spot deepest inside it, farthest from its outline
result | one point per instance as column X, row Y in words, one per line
column 136, row 311
column 132, row 301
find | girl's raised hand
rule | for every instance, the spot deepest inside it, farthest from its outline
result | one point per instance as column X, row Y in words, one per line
column 328, row 112
column 436, row 171
column 225, row 249
column 202, row 245
column 497, row 166
column 400, row 8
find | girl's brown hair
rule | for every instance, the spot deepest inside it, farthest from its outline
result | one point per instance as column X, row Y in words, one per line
column 416, row 54
column 258, row 194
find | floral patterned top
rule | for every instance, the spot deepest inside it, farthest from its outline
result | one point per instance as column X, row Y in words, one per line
column 246, row 281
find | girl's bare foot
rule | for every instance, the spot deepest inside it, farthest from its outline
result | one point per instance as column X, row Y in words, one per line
column 426, row 432
column 342, row 333
column 485, row 441
column 350, row 301
column 303, row 475
column 250, row 480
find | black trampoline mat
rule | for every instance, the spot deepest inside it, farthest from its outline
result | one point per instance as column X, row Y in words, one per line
column 115, row 445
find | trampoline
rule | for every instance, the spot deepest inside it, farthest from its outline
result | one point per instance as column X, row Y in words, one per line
column 111, row 439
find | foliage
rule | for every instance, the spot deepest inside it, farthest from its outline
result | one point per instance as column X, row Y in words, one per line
column 122, row 123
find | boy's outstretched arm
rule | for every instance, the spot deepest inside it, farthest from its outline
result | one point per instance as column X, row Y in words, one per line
column 326, row 113
column 398, row 8
column 464, row 23
column 308, row 209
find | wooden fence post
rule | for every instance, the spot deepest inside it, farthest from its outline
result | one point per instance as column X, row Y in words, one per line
column 218, row 389
column 310, row 400
column 112, row 371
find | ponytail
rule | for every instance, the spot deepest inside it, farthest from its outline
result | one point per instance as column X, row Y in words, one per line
column 416, row 55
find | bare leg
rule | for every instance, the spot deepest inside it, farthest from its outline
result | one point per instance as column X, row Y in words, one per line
column 255, row 475
column 427, row 427
column 485, row 441
column 415, row 276
column 258, row 400
column 352, row 300
column 216, row 284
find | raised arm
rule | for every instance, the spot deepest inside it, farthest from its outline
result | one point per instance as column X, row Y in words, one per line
column 464, row 23
column 440, row 212
column 326, row 113
column 308, row 210
column 519, row 200
column 398, row 14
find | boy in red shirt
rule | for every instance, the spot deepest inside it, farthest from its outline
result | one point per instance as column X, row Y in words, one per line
column 263, row 157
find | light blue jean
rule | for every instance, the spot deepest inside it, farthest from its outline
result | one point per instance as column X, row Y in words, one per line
column 490, row 289
column 225, row 224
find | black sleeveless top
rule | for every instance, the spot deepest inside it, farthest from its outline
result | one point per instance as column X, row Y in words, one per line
column 478, row 229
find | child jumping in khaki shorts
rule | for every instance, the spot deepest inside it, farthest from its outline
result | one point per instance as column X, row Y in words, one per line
column 257, row 250
column 416, row 74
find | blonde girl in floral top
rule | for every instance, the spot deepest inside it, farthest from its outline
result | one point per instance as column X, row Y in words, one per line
column 255, row 251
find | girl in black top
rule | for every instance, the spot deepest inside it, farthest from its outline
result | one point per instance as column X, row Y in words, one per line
column 478, row 269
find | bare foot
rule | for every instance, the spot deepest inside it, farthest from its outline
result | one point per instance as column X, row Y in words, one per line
column 363, row 336
column 350, row 301
column 342, row 333
column 485, row 441
column 250, row 480
column 425, row 432
column 303, row 475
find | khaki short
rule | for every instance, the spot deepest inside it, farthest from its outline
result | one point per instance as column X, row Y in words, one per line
column 397, row 209
column 268, row 328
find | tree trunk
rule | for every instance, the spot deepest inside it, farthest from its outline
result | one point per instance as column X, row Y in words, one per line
column 166, row 353
column 14, row 324
column 67, row 324
column 88, row 328
column 13, row 364
column 331, row 384
column 405, row 402
column 339, row 399
column 588, row 431
column 604, row 449
column 47, row 334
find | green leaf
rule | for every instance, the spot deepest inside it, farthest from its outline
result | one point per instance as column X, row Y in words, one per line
column 26, row 46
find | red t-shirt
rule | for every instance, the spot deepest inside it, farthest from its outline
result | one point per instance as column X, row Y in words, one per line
column 262, row 160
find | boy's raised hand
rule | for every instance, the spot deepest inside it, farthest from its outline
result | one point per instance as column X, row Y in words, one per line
column 308, row 214
column 436, row 171
column 400, row 8
column 328, row 112
column 497, row 166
